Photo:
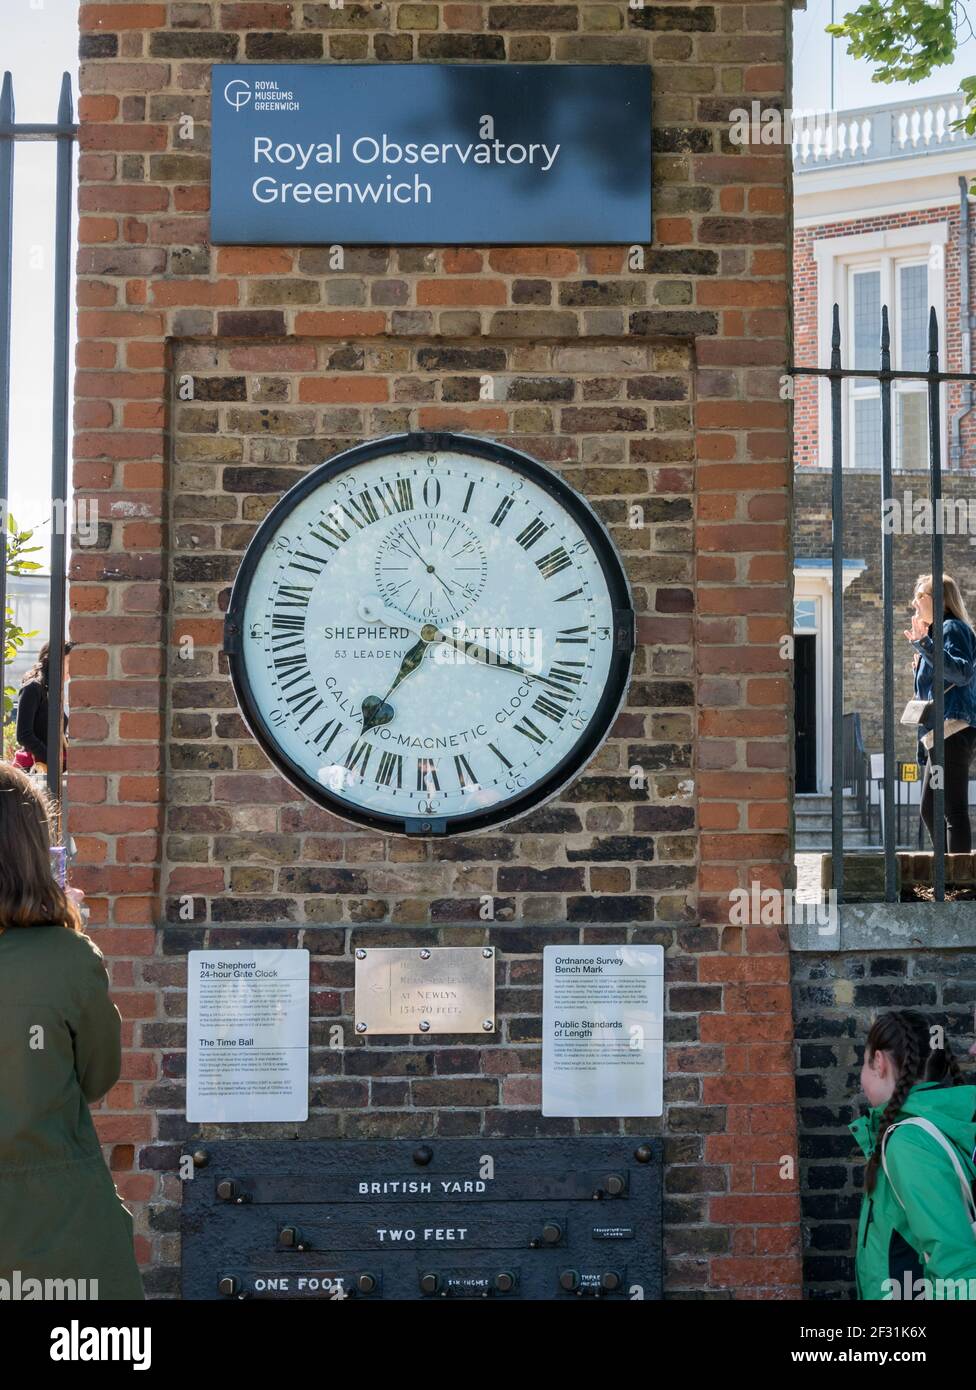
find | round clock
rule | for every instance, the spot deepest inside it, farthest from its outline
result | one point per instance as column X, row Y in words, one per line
column 430, row 634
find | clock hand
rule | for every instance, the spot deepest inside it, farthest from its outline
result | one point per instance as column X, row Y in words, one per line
column 429, row 568
column 413, row 547
column 485, row 655
column 376, row 710
column 372, row 611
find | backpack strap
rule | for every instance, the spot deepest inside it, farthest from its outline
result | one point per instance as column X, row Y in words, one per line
column 934, row 1132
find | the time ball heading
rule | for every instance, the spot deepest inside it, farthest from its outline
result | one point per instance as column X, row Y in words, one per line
column 431, row 154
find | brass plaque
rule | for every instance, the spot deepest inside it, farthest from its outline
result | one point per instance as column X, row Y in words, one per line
column 435, row 989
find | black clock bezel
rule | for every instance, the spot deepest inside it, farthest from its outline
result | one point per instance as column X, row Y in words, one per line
column 622, row 636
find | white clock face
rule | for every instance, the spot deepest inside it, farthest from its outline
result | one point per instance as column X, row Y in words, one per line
column 430, row 636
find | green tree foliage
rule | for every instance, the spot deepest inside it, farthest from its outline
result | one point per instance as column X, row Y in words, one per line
column 906, row 40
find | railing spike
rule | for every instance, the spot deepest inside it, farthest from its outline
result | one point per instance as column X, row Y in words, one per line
column 835, row 338
column 885, row 339
column 933, row 340
column 66, row 113
column 7, row 100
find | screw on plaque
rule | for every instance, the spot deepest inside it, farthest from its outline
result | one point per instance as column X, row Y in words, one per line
column 425, row 954
column 643, row 1153
column 489, row 1025
column 360, row 1028
column 487, row 952
column 201, row 1158
column 424, row 1025
column 423, row 1155
column 360, row 954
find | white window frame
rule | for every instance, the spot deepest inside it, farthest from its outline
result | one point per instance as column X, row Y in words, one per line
column 837, row 260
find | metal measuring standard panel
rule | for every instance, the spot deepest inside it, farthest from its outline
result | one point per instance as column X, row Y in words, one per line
column 429, row 989
column 404, row 1219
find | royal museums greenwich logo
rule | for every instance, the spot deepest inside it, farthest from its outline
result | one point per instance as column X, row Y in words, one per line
column 265, row 94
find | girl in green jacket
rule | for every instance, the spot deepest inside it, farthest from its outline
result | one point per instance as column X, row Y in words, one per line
column 917, row 1234
column 64, row 1233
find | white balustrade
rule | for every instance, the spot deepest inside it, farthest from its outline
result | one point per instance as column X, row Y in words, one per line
column 823, row 139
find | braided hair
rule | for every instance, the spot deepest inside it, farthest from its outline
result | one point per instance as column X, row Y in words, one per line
column 907, row 1038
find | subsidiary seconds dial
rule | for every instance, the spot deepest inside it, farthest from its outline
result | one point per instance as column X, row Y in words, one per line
column 430, row 634
column 431, row 567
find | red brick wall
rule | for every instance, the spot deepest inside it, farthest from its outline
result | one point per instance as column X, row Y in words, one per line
column 655, row 385
column 807, row 444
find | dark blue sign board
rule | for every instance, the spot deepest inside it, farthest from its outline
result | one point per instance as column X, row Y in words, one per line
column 430, row 154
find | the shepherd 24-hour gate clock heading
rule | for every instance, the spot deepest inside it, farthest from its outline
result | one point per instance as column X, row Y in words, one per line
column 430, row 634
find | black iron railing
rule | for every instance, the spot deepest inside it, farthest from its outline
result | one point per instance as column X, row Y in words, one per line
column 857, row 766
column 64, row 132
column 933, row 379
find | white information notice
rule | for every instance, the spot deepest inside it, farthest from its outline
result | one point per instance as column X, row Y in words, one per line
column 247, row 1036
column 603, row 1030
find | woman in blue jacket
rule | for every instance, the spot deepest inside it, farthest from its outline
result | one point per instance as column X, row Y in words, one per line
column 959, row 663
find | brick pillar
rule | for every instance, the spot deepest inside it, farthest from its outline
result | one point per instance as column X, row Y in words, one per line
column 653, row 385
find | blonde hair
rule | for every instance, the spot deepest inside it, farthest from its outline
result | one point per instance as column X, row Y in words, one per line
column 953, row 603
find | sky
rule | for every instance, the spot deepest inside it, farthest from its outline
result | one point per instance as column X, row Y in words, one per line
column 852, row 84
column 39, row 41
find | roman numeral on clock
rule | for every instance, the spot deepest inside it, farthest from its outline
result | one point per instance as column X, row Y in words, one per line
column 309, row 712
column 316, row 565
column 570, row 636
column 324, row 739
column 288, row 663
column 287, row 623
column 499, row 755
column 531, row 731
column 365, row 507
column 531, row 534
column 502, row 510
column 322, row 530
column 399, row 499
column 390, row 769
column 292, row 671
column 288, row 629
column 301, row 698
column 553, row 563
column 293, row 596
column 353, row 516
column 427, row 775
column 358, row 757
column 562, row 677
column 546, row 705
column 465, row 773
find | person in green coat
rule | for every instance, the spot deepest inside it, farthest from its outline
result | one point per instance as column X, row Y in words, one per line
column 916, row 1237
column 64, row 1232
